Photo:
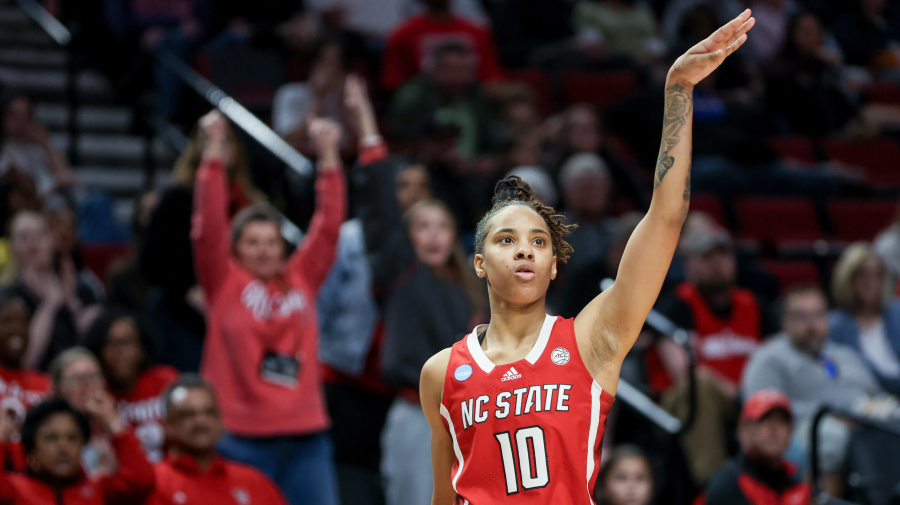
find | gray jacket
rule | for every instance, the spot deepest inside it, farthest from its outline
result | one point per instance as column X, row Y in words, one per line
column 778, row 364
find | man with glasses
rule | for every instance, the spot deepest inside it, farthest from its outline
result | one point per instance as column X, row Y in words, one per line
column 193, row 471
column 813, row 372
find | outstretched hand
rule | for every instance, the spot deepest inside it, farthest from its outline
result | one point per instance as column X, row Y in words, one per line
column 215, row 132
column 700, row 60
column 326, row 137
column 102, row 408
column 358, row 104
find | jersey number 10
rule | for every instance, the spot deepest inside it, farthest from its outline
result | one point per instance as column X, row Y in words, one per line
column 532, row 463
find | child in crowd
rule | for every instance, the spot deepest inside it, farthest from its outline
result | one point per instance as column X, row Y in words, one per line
column 626, row 478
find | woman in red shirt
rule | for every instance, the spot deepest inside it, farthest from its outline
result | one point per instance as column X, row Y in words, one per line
column 261, row 340
column 126, row 351
column 54, row 434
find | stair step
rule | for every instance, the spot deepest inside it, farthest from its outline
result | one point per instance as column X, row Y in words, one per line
column 32, row 58
column 31, row 37
column 11, row 15
column 115, row 149
column 121, row 181
column 91, row 119
column 92, row 86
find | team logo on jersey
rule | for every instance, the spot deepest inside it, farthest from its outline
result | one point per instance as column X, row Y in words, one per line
column 560, row 356
column 179, row 497
column 511, row 374
column 462, row 372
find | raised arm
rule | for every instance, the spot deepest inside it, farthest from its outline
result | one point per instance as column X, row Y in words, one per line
column 387, row 244
column 134, row 480
column 316, row 254
column 431, row 388
column 610, row 324
column 209, row 221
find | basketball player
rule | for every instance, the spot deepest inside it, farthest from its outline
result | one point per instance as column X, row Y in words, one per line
column 517, row 408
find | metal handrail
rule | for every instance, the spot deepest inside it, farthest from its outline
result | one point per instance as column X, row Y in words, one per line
column 230, row 107
column 815, row 473
column 63, row 37
column 56, row 30
column 233, row 110
column 237, row 113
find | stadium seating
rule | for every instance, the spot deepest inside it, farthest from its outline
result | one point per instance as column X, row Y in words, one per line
column 853, row 219
column 98, row 257
column 595, row 88
column 795, row 147
column 778, row 221
column 792, row 272
column 877, row 157
column 710, row 205
column 539, row 84
column 883, row 92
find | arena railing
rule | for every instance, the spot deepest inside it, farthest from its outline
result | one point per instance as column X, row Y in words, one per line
column 63, row 38
column 246, row 121
column 820, row 496
column 157, row 125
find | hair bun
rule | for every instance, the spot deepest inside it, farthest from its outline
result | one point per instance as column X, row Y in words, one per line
column 512, row 188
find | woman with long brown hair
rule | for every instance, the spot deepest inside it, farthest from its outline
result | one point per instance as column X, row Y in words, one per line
column 174, row 304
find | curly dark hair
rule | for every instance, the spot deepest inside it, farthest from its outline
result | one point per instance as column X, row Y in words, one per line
column 513, row 190
column 38, row 415
column 97, row 335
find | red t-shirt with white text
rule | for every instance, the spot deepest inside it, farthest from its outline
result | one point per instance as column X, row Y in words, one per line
column 142, row 408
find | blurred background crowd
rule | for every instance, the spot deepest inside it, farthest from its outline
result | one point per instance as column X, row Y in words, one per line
column 126, row 264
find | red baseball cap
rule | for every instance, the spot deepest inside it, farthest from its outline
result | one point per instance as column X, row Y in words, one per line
column 764, row 401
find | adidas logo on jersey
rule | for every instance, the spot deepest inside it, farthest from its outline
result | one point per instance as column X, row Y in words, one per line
column 511, row 374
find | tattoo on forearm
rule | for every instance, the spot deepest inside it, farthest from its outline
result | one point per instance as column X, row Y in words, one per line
column 679, row 106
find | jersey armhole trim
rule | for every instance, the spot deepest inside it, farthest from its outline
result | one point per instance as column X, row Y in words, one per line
column 596, row 407
column 456, row 450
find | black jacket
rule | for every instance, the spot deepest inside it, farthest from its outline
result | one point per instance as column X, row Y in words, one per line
column 743, row 482
column 423, row 313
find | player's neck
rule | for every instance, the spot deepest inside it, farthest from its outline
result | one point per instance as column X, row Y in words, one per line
column 512, row 326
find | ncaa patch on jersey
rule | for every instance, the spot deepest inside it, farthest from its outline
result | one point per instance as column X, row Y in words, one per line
column 560, row 356
column 462, row 372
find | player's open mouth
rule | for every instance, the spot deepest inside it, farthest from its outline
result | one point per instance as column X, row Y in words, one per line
column 524, row 272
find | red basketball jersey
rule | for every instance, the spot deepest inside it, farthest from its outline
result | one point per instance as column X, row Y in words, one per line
column 524, row 432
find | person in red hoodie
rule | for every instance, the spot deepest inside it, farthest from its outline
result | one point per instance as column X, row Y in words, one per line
column 126, row 350
column 193, row 472
column 54, row 434
column 410, row 47
column 262, row 331
column 25, row 385
column 20, row 388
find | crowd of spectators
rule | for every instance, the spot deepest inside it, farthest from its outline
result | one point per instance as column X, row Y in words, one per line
column 309, row 354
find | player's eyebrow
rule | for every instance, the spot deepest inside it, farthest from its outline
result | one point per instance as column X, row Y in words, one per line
column 510, row 230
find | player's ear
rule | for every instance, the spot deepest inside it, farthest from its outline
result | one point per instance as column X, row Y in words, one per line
column 479, row 266
column 553, row 268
